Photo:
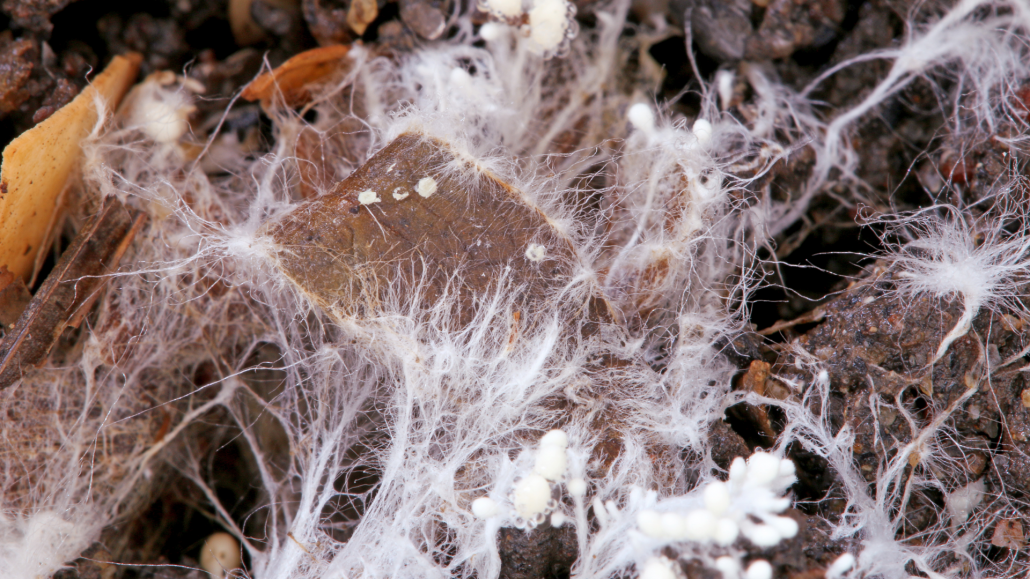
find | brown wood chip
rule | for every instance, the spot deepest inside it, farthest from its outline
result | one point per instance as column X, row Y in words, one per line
column 294, row 78
column 14, row 298
column 70, row 289
column 405, row 219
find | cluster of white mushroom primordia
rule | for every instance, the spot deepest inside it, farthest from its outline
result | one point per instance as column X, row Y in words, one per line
column 548, row 25
column 531, row 496
column 748, row 504
column 754, row 491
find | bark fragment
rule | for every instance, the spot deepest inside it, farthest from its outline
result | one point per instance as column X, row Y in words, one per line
column 405, row 223
column 14, row 298
column 293, row 80
column 70, row 290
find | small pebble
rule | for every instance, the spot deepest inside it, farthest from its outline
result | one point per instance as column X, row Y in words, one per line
column 220, row 554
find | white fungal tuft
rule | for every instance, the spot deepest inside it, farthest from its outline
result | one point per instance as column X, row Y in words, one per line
column 426, row 187
column 531, row 496
column 536, row 252
column 945, row 259
column 962, row 501
column 577, row 487
column 702, row 129
column 368, row 197
column 641, row 116
column 760, row 569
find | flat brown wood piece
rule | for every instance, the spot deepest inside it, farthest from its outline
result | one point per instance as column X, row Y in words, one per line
column 425, row 224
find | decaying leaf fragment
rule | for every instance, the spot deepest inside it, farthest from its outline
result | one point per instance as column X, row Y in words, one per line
column 1008, row 533
column 71, row 288
column 406, row 224
column 37, row 166
column 294, row 78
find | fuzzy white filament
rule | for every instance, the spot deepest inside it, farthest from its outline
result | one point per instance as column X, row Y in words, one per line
column 945, row 259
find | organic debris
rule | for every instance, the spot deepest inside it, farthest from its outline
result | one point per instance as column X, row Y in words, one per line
column 293, row 81
column 409, row 221
column 38, row 164
column 70, row 290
